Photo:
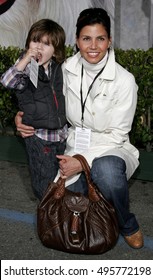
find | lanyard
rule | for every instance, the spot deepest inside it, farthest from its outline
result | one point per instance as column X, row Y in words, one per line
column 89, row 89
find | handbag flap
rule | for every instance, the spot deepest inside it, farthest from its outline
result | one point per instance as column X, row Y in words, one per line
column 76, row 202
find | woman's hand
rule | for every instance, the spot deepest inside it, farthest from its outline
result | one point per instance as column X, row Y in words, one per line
column 24, row 130
column 68, row 166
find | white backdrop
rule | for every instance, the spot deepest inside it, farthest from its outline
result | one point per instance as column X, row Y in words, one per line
column 16, row 22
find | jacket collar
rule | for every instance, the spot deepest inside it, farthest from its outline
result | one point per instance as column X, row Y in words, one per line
column 74, row 65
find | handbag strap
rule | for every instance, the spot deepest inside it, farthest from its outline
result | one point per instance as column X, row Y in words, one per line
column 92, row 192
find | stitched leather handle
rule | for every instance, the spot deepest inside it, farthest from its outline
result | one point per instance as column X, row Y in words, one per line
column 84, row 164
column 92, row 194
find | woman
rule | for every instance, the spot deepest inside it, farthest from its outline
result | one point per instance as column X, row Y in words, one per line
column 101, row 98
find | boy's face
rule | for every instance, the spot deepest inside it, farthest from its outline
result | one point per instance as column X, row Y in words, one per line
column 45, row 51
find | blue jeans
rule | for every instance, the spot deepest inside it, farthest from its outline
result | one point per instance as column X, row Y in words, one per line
column 109, row 174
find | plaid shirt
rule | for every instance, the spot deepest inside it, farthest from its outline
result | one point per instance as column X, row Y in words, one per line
column 12, row 79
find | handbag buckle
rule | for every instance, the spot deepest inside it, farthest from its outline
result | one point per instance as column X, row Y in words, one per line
column 76, row 213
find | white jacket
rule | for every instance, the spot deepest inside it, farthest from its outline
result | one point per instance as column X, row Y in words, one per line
column 109, row 111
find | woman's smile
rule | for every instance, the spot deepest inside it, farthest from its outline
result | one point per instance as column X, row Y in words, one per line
column 93, row 42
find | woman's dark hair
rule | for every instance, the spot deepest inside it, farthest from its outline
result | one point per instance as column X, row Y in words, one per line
column 56, row 36
column 92, row 16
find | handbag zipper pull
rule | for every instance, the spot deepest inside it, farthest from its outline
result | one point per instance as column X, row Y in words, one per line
column 74, row 227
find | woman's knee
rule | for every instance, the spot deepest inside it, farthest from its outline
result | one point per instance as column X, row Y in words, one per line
column 109, row 170
column 108, row 164
column 109, row 174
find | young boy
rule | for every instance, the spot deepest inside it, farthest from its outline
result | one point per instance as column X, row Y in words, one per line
column 38, row 81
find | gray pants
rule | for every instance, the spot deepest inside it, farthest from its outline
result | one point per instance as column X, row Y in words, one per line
column 43, row 163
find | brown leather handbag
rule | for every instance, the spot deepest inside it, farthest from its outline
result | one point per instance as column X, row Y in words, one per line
column 74, row 223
